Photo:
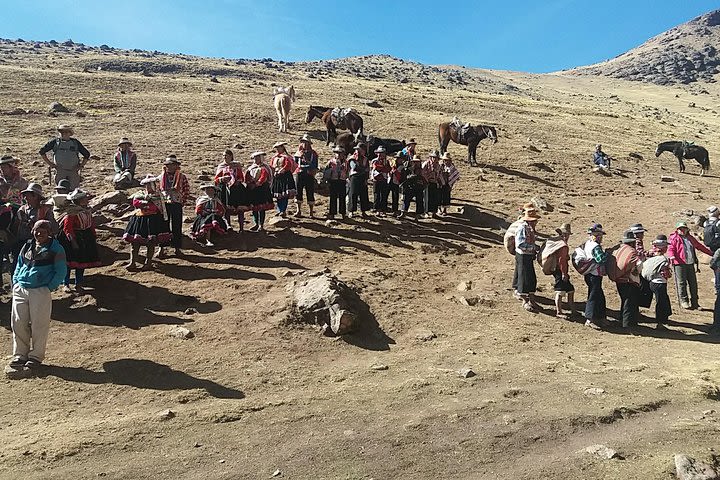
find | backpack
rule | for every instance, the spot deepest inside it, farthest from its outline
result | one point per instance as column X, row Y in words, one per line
column 711, row 238
column 509, row 237
column 652, row 266
column 547, row 255
column 580, row 261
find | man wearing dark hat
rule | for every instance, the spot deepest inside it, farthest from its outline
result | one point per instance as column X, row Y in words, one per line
column 336, row 175
column 595, row 306
column 66, row 152
column 396, row 178
column 175, row 188
column 628, row 280
column 357, row 180
column 31, row 211
column 307, row 165
column 11, row 182
column 124, row 162
column 413, row 188
column 432, row 171
column 409, row 151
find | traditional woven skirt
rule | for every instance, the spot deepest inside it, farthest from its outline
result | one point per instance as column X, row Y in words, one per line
column 283, row 186
column 261, row 198
column 527, row 281
column 86, row 256
column 208, row 223
column 145, row 229
column 236, row 198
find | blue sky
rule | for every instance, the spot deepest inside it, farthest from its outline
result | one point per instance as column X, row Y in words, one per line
column 525, row 35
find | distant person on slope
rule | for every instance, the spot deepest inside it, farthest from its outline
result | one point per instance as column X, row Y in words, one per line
column 601, row 159
column 124, row 163
column 66, row 152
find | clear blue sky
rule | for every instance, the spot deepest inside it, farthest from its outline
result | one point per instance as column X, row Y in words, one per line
column 525, row 35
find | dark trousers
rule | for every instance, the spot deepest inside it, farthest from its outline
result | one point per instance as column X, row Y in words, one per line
column 394, row 195
column 305, row 181
column 717, row 281
column 663, row 310
column 629, row 298
column 432, row 197
column 359, row 193
column 259, row 218
column 595, row 306
column 175, row 214
column 337, row 196
column 79, row 276
column 685, row 279
column 418, row 195
column 381, row 190
column 716, row 312
column 525, row 267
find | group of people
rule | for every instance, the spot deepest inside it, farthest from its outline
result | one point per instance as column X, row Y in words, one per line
column 640, row 273
column 45, row 238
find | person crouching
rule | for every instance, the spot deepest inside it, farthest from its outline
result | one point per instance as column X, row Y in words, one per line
column 210, row 216
column 41, row 268
column 525, row 251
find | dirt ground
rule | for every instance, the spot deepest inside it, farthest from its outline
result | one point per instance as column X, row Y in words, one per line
column 254, row 397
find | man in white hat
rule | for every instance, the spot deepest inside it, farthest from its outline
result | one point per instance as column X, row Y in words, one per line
column 124, row 163
column 66, row 152
column 11, row 182
column 307, row 165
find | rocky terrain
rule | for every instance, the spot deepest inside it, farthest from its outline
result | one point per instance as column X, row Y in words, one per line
column 685, row 54
column 215, row 366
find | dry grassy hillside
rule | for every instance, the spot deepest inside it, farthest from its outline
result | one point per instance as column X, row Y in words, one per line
column 253, row 395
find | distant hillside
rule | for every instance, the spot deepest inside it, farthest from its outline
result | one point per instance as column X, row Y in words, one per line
column 684, row 54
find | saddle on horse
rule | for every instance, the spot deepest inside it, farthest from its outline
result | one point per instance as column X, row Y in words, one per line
column 464, row 130
column 338, row 116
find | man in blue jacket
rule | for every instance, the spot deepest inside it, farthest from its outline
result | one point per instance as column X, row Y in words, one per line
column 41, row 268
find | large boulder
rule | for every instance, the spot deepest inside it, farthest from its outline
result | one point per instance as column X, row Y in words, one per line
column 57, row 107
column 109, row 198
column 688, row 468
column 326, row 301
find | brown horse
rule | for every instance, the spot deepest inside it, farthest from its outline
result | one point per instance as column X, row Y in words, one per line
column 447, row 132
column 352, row 121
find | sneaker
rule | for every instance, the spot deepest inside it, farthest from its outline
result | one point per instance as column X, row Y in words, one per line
column 685, row 305
column 33, row 364
column 67, row 289
column 591, row 324
column 18, row 361
column 254, row 228
column 208, row 243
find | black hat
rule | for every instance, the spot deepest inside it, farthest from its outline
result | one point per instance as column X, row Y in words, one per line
column 628, row 237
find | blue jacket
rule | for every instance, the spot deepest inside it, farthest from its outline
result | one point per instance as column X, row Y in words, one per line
column 46, row 268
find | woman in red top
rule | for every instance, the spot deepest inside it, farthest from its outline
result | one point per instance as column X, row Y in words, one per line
column 258, row 179
column 77, row 236
column 149, row 225
column 283, row 184
column 210, row 216
column 232, row 192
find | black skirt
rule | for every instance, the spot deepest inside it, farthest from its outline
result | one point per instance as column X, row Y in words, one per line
column 445, row 195
column 234, row 198
column 562, row 285
column 208, row 223
column 527, row 281
column 283, row 186
column 86, row 255
column 261, row 198
column 145, row 229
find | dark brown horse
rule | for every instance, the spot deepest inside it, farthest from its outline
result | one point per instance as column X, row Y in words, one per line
column 684, row 150
column 447, row 132
column 352, row 121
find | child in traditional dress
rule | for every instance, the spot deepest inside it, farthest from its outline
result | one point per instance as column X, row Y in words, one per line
column 258, row 178
column 232, row 192
column 77, row 236
column 149, row 225
column 210, row 216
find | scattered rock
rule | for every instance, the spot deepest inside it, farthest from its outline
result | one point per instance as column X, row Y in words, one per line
column 466, row 372
column 116, row 197
column 80, row 114
column 166, row 415
column 190, row 311
column 667, row 178
column 276, row 473
column 533, row 148
column 602, row 451
column 636, row 156
column 57, row 107
column 423, row 334
column 468, row 301
column 373, row 104
column 378, row 367
column 594, row 391
column 181, row 332
column 214, row 79
column 541, row 204
column 465, row 286
column 687, row 468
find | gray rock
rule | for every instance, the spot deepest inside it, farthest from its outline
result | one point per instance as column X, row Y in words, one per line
column 57, row 107
column 116, row 197
column 465, row 286
column 602, row 451
column 667, row 178
column 593, row 391
column 466, row 372
column 166, row 415
column 423, row 334
column 687, row 468
column 541, row 204
column 378, row 367
column 190, row 311
column 181, row 332
column 327, row 301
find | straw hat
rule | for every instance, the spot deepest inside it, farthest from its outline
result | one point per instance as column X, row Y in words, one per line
column 34, row 188
column 66, row 128
column 171, row 159
column 8, row 159
column 279, row 144
column 564, row 229
column 77, row 194
column 712, row 209
column 148, row 179
column 380, row 149
column 596, row 229
column 257, row 153
column 205, row 186
column 531, row 215
column 124, row 141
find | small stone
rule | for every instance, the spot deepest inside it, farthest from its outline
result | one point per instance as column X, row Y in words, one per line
column 197, row 445
column 276, row 473
column 667, row 178
column 541, row 204
column 214, row 79
column 190, row 311
column 602, row 451
column 57, row 107
column 331, row 223
column 594, row 391
column 708, row 412
column 288, row 273
column 464, row 286
column 468, row 301
column 589, row 205
column 166, row 415
column 181, row 332
column 470, row 351
column 378, row 367
column 466, row 373
column 424, row 334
